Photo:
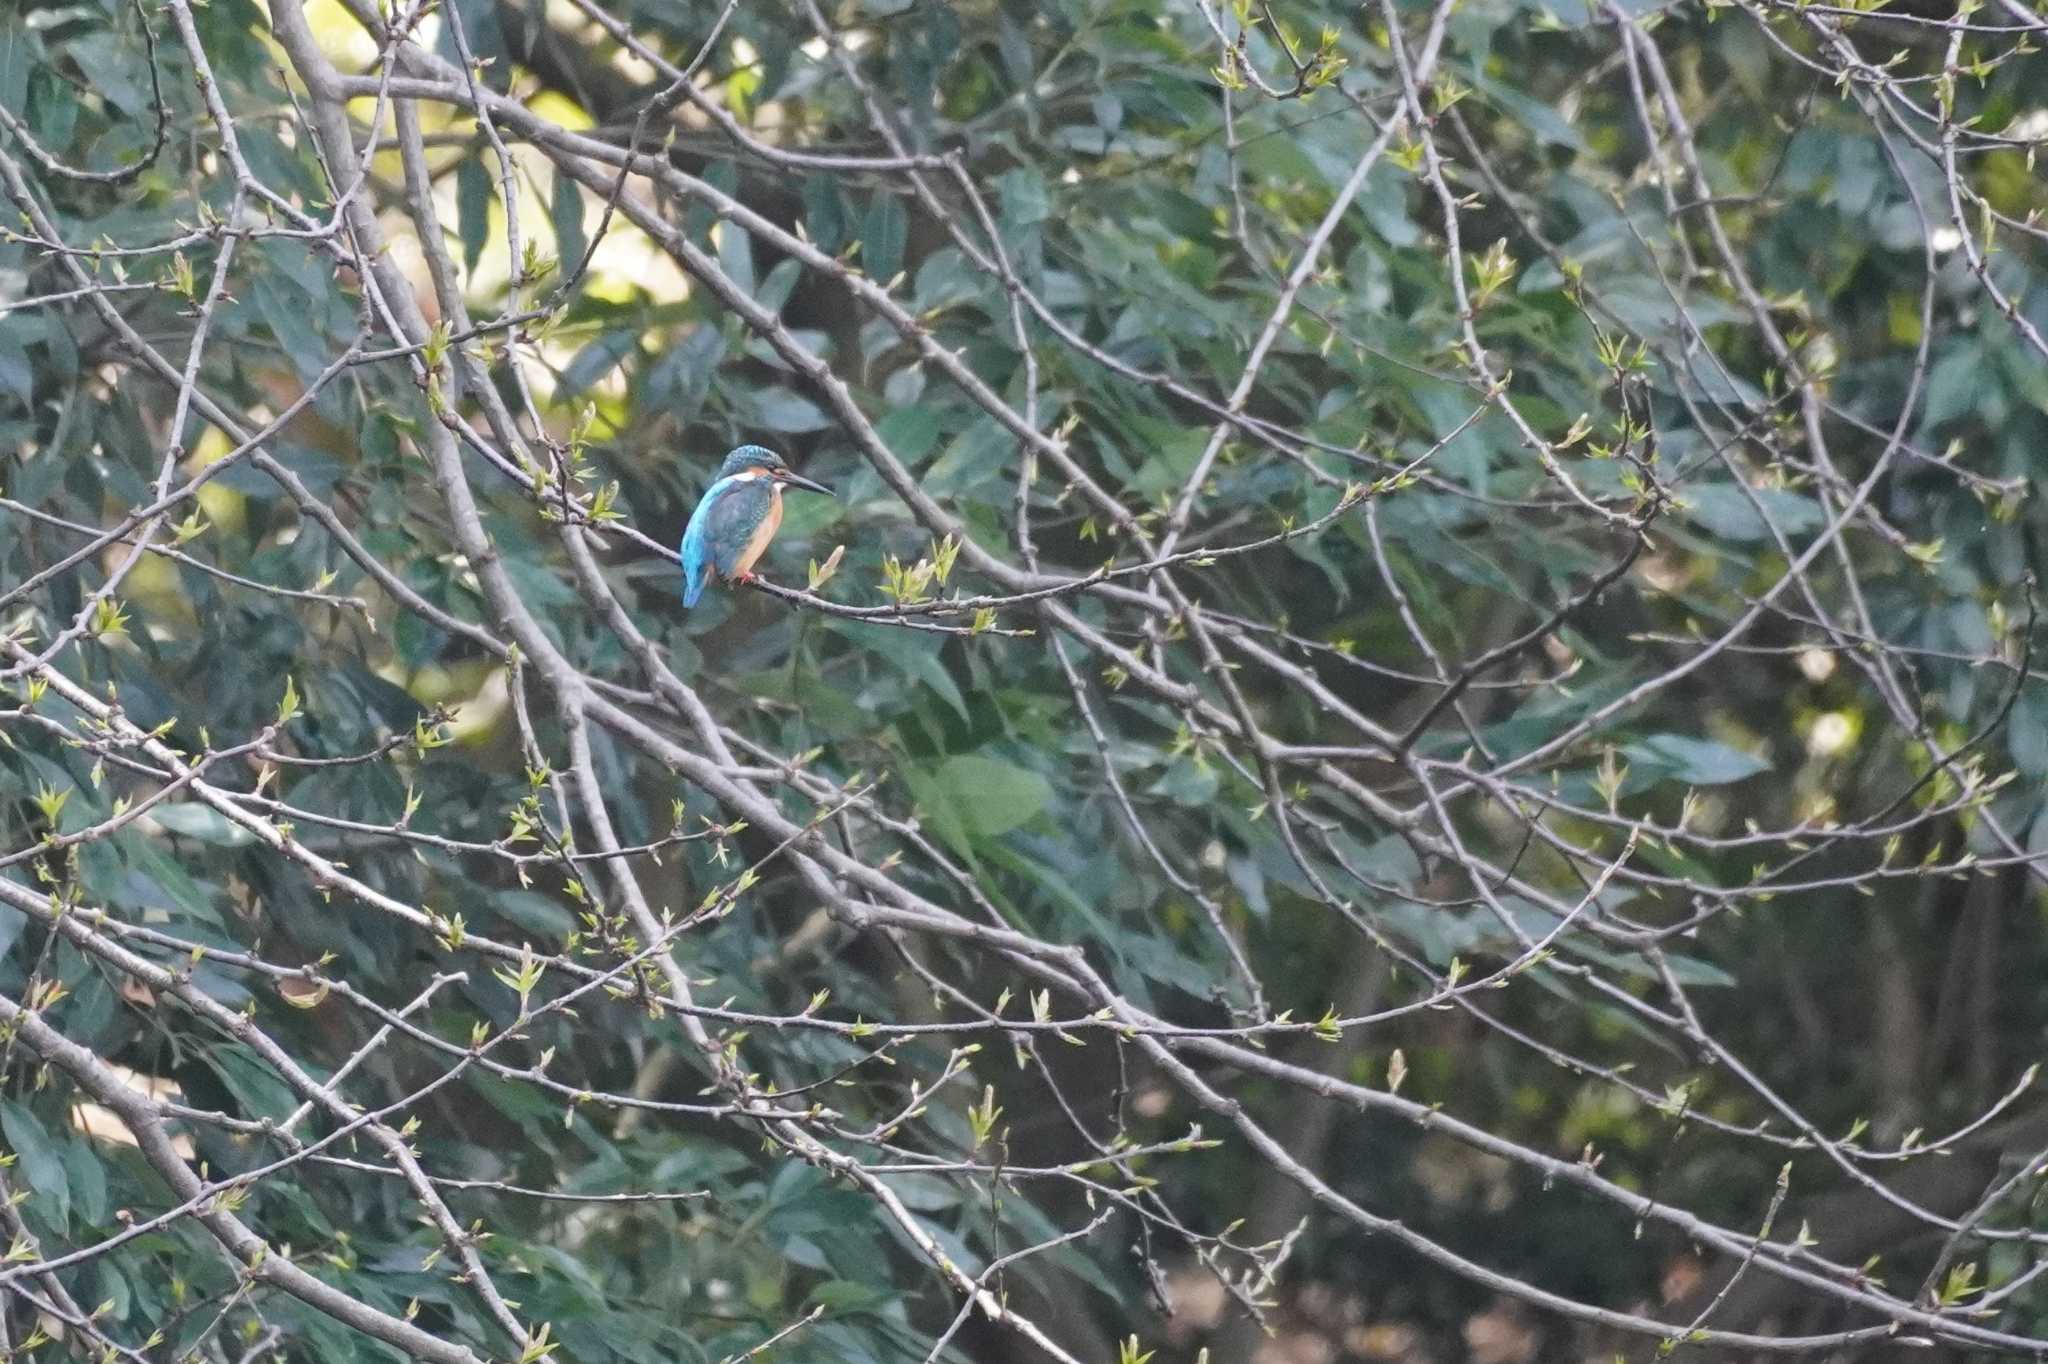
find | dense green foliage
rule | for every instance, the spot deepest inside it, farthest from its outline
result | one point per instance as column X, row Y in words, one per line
column 1415, row 723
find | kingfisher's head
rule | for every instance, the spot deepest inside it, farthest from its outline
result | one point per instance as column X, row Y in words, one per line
column 757, row 461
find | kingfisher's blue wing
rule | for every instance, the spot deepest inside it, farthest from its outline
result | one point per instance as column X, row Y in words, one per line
column 696, row 547
column 733, row 518
column 732, row 509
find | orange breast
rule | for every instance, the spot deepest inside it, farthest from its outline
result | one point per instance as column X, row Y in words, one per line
column 763, row 533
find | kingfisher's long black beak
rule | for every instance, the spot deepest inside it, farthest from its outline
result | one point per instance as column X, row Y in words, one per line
column 799, row 481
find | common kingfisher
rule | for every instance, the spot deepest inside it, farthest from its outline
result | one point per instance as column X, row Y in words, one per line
column 738, row 516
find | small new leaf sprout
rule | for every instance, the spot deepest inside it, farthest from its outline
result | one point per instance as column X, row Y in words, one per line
column 821, row 574
column 434, row 350
column 604, row 509
column 522, row 981
column 51, row 803
column 1325, row 65
column 1397, row 1071
column 428, row 735
column 1491, row 273
column 1960, row 1284
column 536, row 265
column 108, row 619
column 982, row 1117
column 1407, row 154
column 289, row 706
column 1607, row 782
column 1127, row 1352
column 182, row 281
column 905, row 586
column 579, row 439
column 1927, row 553
column 909, row 586
column 1616, row 356
column 537, row 1346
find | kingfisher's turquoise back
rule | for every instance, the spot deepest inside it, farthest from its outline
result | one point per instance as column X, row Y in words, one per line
column 721, row 528
column 695, row 552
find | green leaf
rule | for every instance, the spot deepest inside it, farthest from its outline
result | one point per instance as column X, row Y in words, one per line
column 1727, row 511
column 909, row 432
column 844, row 1295
column 286, row 311
column 87, row 1181
column 1538, row 116
column 882, row 237
column 257, row 1089
column 567, row 214
column 736, row 256
column 825, row 215
column 809, row 1206
column 1186, row 782
column 17, row 374
column 914, row 655
column 41, row 1160
column 190, row 819
column 680, row 380
column 472, row 208
column 1702, row 762
column 2027, row 731
column 992, row 797
column 1025, row 200
column 597, row 359
column 788, row 413
column 536, row 914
